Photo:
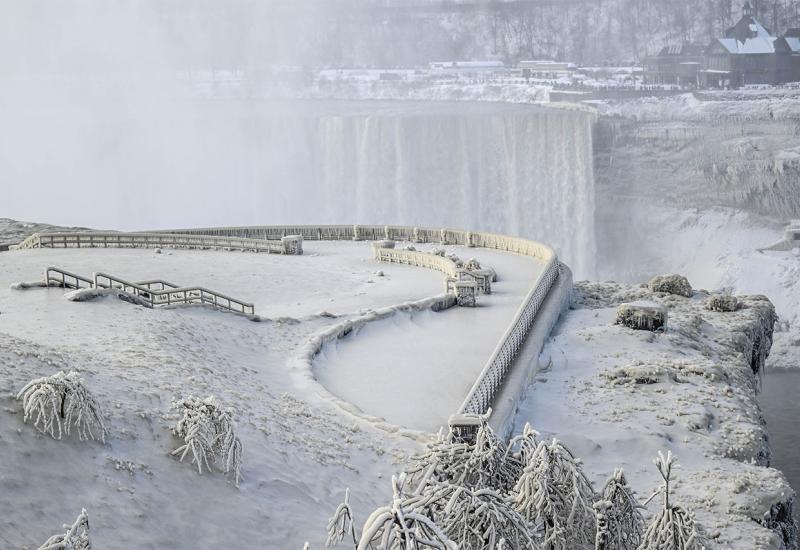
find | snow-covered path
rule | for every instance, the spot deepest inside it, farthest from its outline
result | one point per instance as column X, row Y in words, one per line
column 389, row 367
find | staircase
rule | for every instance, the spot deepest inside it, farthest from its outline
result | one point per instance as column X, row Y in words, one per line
column 152, row 293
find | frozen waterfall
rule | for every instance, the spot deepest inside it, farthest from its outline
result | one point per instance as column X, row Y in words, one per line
column 516, row 169
column 521, row 171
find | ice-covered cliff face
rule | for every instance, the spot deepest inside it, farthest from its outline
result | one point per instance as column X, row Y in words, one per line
column 735, row 150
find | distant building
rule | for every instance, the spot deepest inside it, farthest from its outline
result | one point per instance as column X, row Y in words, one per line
column 676, row 65
column 545, row 68
column 746, row 55
column 468, row 65
column 787, row 56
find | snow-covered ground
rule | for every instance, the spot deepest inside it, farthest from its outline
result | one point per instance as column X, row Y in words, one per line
column 617, row 396
column 300, row 450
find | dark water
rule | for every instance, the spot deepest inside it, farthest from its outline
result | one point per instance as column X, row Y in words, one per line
column 780, row 402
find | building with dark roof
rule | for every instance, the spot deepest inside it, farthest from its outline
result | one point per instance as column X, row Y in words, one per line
column 676, row 65
column 745, row 55
column 787, row 56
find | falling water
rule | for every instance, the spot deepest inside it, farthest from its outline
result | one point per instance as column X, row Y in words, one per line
column 516, row 169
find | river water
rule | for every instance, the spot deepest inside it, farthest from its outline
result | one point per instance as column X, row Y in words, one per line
column 781, row 407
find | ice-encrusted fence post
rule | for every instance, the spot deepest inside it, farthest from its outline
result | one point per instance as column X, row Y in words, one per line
column 292, row 244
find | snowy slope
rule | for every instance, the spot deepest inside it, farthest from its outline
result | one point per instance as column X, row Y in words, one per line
column 616, row 397
column 300, row 450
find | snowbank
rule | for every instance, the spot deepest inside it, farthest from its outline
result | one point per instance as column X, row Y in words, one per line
column 618, row 396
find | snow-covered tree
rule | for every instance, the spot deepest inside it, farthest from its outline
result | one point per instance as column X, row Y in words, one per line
column 208, row 433
column 619, row 521
column 483, row 462
column 76, row 537
column 524, row 445
column 672, row 528
column 58, row 402
column 481, row 519
column 341, row 523
column 555, row 495
column 403, row 525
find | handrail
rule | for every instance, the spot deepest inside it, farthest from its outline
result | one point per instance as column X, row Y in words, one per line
column 480, row 397
column 419, row 259
column 167, row 296
column 91, row 239
column 164, row 284
column 62, row 281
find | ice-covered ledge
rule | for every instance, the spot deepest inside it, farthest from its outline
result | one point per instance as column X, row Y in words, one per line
column 616, row 396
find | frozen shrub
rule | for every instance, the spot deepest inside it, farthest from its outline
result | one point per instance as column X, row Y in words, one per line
column 76, row 537
column 642, row 316
column 555, row 495
column 208, row 432
column 58, row 402
column 671, row 284
column 722, row 303
column 523, row 446
column 619, row 521
column 404, row 524
column 438, row 252
column 445, row 516
column 672, row 528
column 479, row 462
column 480, row 519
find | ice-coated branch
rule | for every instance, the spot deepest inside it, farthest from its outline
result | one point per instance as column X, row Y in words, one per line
column 672, row 528
column 619, row 521
column 341, row 523
column 209, row 435
column 58, row 402
column 76, row 537
column 554, row 494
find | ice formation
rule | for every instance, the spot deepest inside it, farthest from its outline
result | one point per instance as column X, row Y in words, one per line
column 671, row 284
column 642, row 315
column 722, row 303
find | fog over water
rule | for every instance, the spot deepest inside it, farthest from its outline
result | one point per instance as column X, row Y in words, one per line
column 104, row 126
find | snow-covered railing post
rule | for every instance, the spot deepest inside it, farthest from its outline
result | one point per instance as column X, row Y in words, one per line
column 293, row 244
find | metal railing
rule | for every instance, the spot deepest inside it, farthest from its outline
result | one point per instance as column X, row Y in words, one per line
column 95, row 239
column 418, row 259
column 54, row 276
column 490, row 380
column 173, row 294
column 152, row 293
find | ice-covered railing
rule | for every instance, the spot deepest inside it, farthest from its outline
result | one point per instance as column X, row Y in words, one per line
column 171, row 294
column 90, row 239
column 152, row 293
column 418, row 259
column 483, row 392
